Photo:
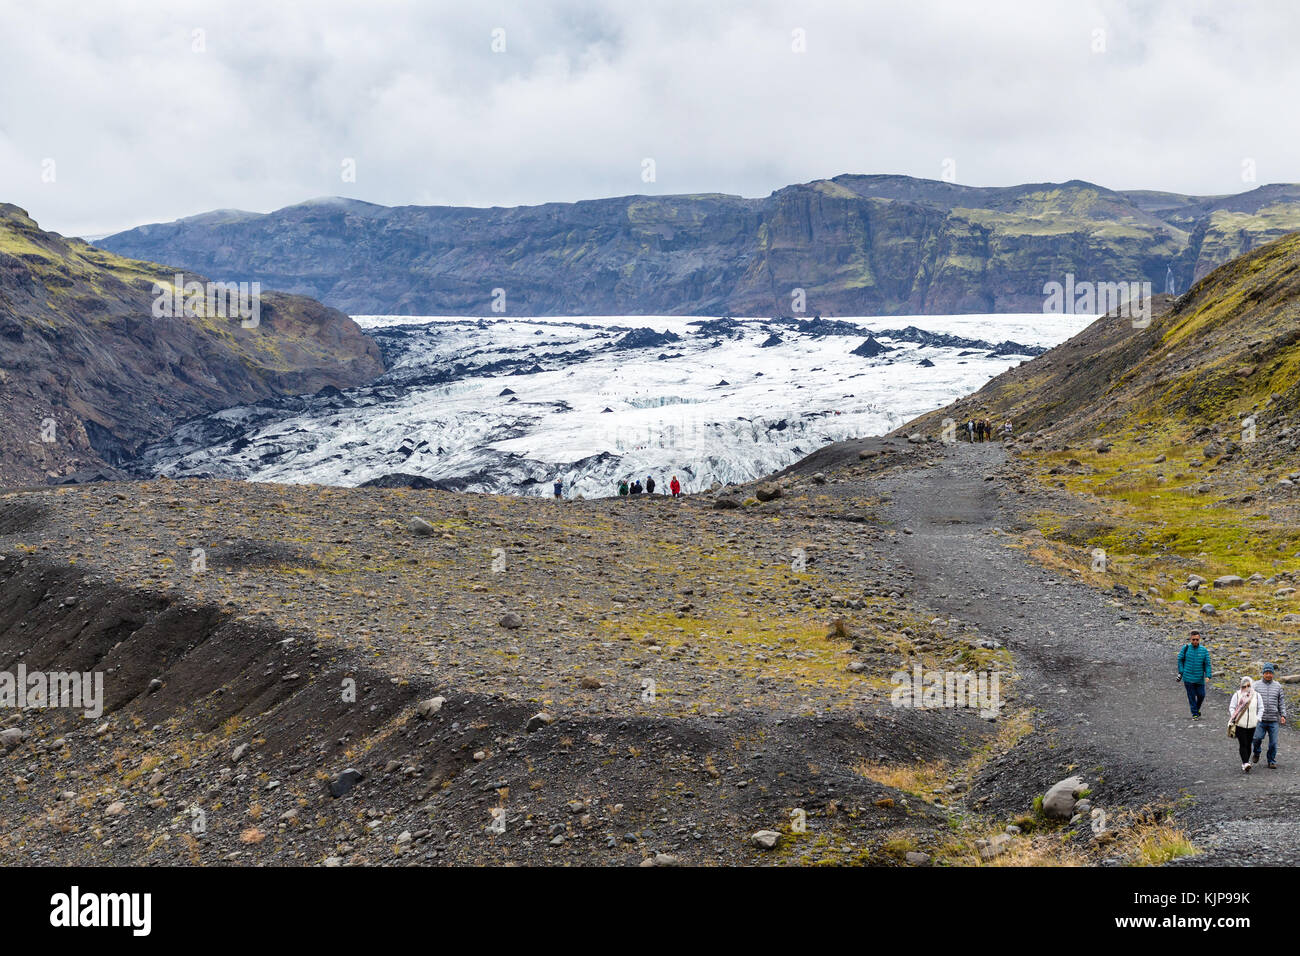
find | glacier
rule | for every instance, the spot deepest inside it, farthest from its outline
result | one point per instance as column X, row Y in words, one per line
column 511, row 404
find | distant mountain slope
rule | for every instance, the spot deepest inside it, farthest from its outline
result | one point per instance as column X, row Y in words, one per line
column 87, row 373
column 1225, row 353
column 857, row 245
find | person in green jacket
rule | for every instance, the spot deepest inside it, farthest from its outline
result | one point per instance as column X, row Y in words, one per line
column 622, row 488
column 1194, row 672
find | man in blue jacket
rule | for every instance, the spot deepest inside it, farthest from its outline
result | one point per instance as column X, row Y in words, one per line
column 1194, row 672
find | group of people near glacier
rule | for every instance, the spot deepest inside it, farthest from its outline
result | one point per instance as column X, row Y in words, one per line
column 1256, row 710
column 634, row 488
column 981, row 429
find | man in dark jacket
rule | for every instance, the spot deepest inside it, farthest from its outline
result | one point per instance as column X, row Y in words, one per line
column 1194, row 672
column 1272, row 711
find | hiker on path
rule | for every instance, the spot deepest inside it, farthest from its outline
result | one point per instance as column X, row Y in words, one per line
column 636, row 488
column 649, row 484
column 1272, row 712
column 970, row 429
column 1194, row 672
column 1243, row 718
column 622, row 488
column 675, row 487
column 559, row 488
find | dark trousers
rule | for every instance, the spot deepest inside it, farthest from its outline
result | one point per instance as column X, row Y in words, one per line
column 1267, row 728
column 1245, row 736
column 1195, row 696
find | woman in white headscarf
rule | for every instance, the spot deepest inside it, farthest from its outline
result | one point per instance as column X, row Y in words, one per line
column 1243, row 716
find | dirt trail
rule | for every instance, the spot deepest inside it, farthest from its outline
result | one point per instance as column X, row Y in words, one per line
column 1102, row 676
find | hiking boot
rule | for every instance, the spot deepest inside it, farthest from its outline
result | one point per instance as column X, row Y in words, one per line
column 1196, row 716
column 1272, row 766
column 1254, row 758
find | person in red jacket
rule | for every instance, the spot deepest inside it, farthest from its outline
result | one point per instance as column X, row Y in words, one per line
column 675, row 486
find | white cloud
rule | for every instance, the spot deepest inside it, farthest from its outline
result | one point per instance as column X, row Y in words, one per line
column 143, row 129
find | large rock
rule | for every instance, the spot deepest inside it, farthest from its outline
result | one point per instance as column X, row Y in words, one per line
column 11, row 738
column 768, row 492
column 766, row 839
column 419, row 527
column 1228, row 581
column 538, row 721
column 1059, row 801
column 427, row 708
column 345, row 781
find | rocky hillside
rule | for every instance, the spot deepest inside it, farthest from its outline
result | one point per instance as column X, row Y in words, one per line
column 1209, row 362
column 1177, row 444
column 857, row 245
column 88, row 374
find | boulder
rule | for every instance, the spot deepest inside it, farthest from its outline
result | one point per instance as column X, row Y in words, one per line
column 1228, row 581
column 538, row 721
column 995, row 846
column 768, row 492
column 345, row 781
column 510, row 620
column 1059, row 801
column 765, row 839
column 419, row 527
column 427, row 708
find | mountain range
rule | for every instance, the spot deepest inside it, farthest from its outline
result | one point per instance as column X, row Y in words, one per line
column 850, row 246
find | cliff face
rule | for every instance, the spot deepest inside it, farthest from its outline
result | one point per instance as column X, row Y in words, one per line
column 88, row 373
column 856, row 245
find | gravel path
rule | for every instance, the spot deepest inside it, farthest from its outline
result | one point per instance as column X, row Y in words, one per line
column 1101, row 672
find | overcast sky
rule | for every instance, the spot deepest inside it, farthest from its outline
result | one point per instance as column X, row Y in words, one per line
column 117, row 114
